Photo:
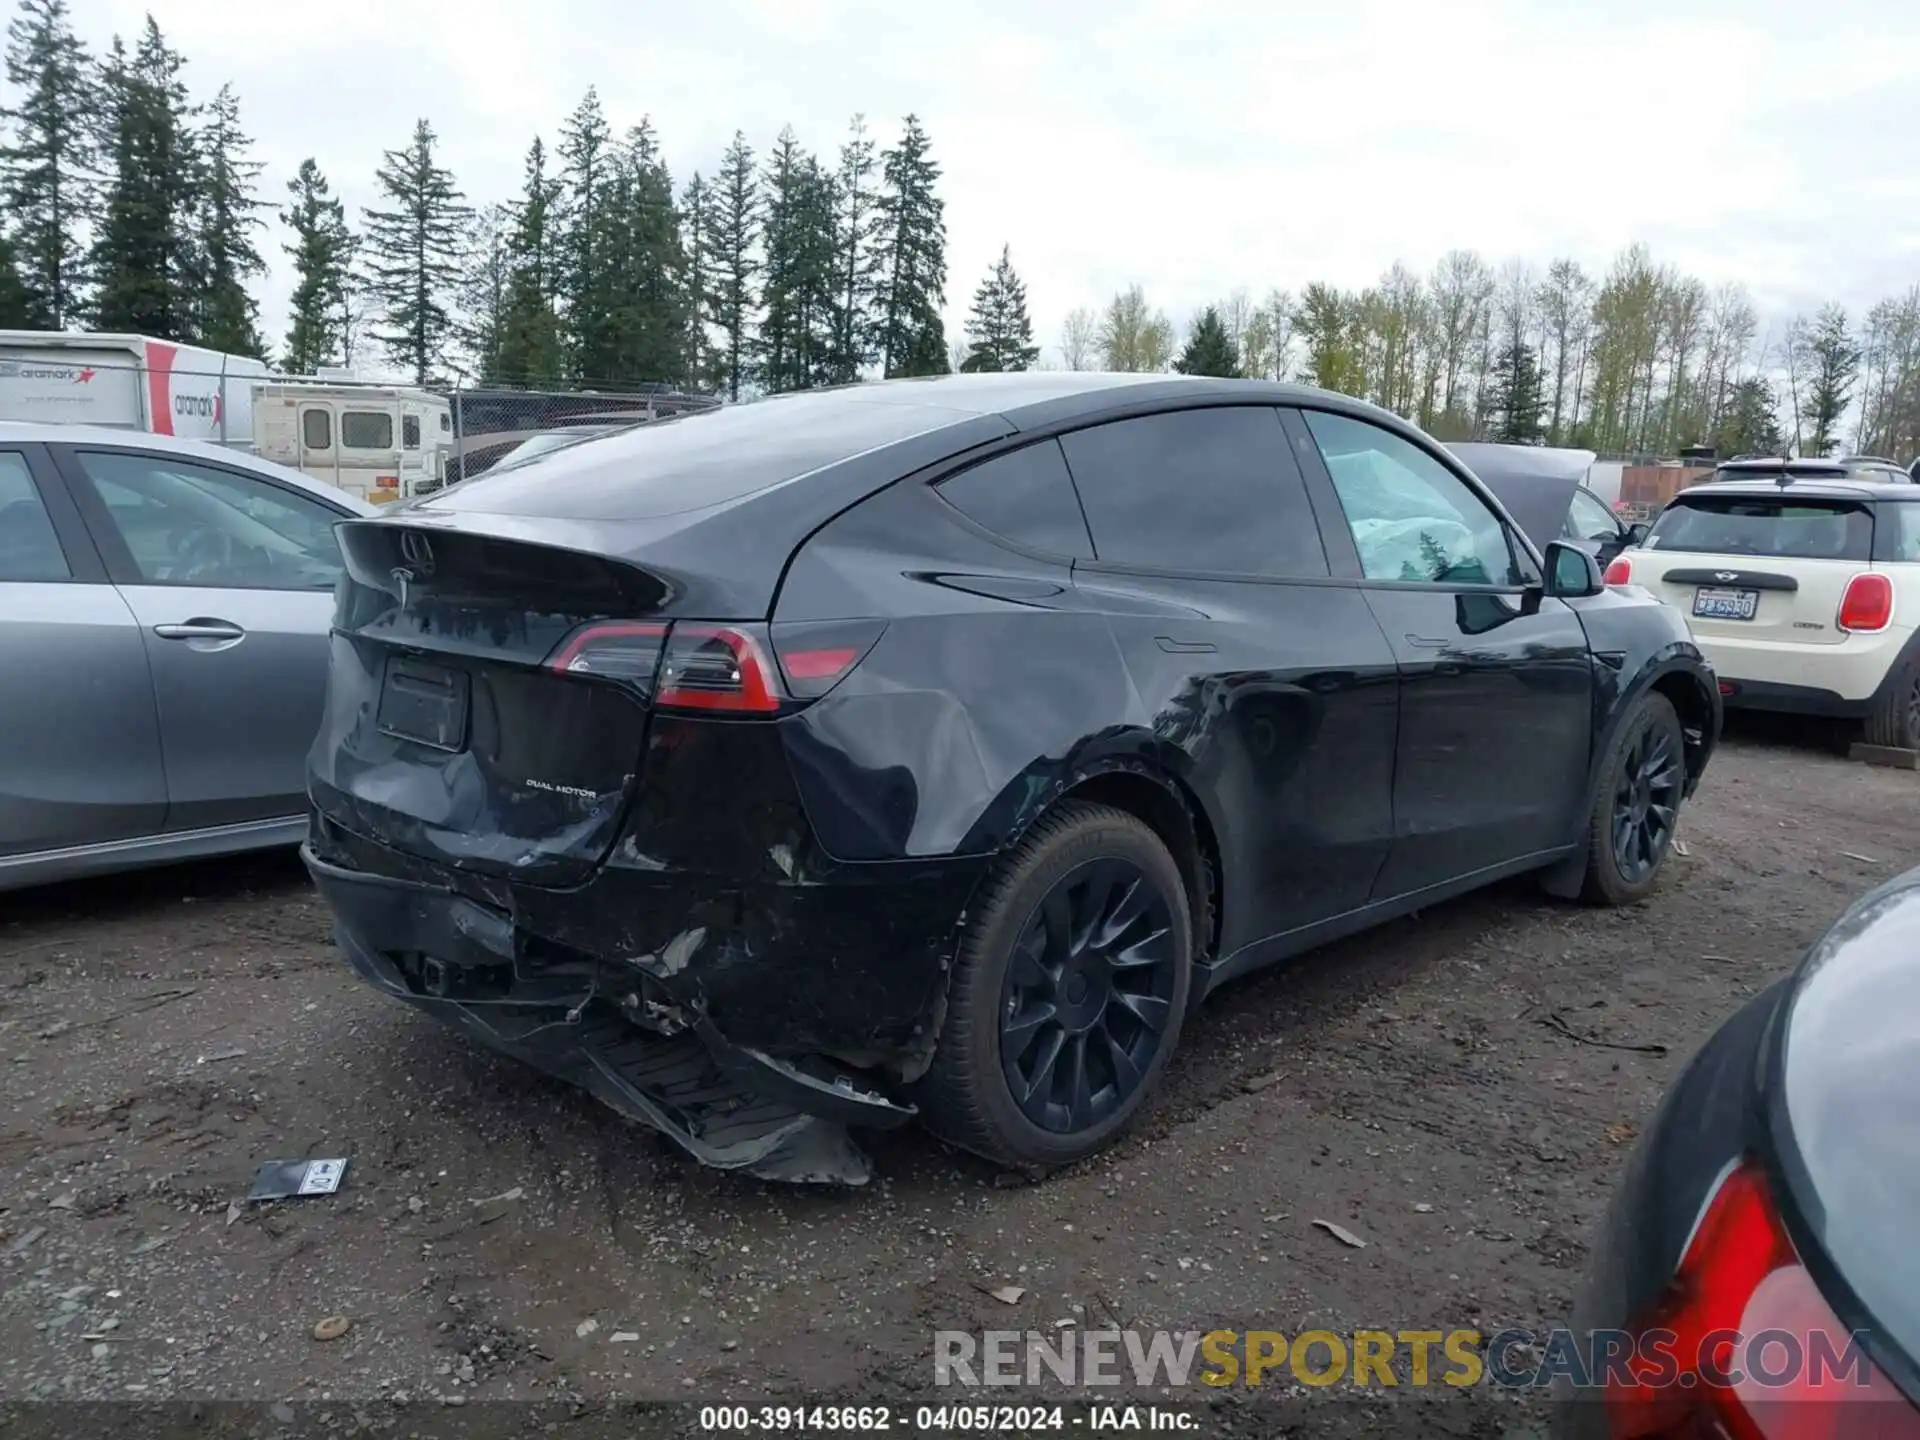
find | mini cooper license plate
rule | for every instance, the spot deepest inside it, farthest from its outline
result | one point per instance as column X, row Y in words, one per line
column 1710, row 603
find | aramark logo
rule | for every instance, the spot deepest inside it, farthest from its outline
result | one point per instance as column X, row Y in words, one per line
column 30, row 370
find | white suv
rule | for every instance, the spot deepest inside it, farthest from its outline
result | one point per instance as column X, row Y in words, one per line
column 1801, row 581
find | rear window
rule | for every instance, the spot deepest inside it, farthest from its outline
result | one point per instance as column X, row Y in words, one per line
column 1791, row 528
column 694, row 461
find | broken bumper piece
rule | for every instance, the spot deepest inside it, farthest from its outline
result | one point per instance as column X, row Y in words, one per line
column 728, row 1106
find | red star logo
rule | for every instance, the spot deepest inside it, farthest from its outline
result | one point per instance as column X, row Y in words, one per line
column 83, row 377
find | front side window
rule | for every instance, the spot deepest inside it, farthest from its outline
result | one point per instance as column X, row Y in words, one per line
column 29, row 548
column 1589, row 519
column 1201, row 491
column 186, row 524
column 1412, row 518
column 366, row 430
column 1027, row 497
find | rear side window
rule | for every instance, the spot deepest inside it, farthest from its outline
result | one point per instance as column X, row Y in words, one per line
column 29, row 550
column 1896, row 531
column 1789, row 527
column 1198, row 490
column 1025, row 496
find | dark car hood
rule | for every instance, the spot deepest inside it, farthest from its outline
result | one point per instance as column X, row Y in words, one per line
column 1849, row 1073
column 1535, row 484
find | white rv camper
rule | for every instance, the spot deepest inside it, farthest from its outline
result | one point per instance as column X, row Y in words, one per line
column 379, row 442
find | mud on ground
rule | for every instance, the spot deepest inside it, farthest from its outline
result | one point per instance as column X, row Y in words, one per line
column 1457, row 1089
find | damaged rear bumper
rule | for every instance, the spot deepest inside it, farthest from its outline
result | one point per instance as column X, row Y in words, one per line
column 640, row 1040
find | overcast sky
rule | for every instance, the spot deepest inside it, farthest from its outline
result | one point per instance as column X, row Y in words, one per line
column 1193, row 148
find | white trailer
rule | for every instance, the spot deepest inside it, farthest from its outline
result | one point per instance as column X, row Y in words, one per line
column 129, row 382
column 379, row 442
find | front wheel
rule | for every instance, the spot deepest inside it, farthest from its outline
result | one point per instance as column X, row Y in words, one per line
column 1636, row 804
column 1067, row 996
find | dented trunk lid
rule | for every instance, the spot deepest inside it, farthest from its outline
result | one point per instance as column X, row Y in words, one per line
column 445, row 735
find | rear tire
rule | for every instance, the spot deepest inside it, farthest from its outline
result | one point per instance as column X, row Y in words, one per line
column 1066, row 998
column 1636, row 804
column 1895, row 721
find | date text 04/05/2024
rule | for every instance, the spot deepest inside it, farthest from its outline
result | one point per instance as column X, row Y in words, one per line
column 923, row 1419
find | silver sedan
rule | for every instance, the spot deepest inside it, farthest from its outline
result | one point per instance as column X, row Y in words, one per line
column 164, row 616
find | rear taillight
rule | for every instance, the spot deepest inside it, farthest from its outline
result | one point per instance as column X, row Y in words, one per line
column 717, row 667
column 613, row 651
column 1868, row 604
column 1743, row 1345
column 696, row 665
column 815, row 657
column 1620, row 572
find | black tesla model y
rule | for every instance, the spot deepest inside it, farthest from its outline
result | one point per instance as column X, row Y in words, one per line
column 931, row 747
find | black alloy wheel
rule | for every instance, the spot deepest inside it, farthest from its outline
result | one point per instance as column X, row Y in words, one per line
column 1646, row 802
column 1067, row 994
column 1088, row 995
column 1635, row 805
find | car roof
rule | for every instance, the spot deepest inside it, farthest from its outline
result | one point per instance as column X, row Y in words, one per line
column 22, row 432
column 1835, row 489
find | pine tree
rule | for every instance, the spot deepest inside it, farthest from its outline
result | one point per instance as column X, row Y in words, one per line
column 913, row 252
column 530, row 351
column 17, row 311
column 322, row 252
column 1210, row 349
column 229, row 316
column 696, row 216
column 730, row 266
column 48, row 172
column 1517, row 399
column 796, row 336
column 413, row 252
column 1835, row 357
column 999, row 332
column 856, row 262
column 647, row 265
column 145, row 257
column 587, row 288
column 485, row 273
column 1751, row 424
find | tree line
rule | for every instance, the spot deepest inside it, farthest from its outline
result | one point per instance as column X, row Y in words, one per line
column 129, row 205
column 1640, row 360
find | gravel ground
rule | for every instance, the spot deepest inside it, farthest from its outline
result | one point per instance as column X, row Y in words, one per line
column 1456, row 1089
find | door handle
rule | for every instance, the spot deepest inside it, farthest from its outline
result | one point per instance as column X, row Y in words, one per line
column 1426, row 642
column 198, row 629
column 1184, row 647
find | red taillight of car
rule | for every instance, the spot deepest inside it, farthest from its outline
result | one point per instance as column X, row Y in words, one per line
column 815, row 656
column 1620, row 571
column 1711, row 1357
column 1868, row 604
column 717, row 667
column 695, row 665
column 680, row 665
column 615, row 650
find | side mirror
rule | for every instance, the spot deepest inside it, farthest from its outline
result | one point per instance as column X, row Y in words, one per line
column 1572, row 572
column 1637, row 533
